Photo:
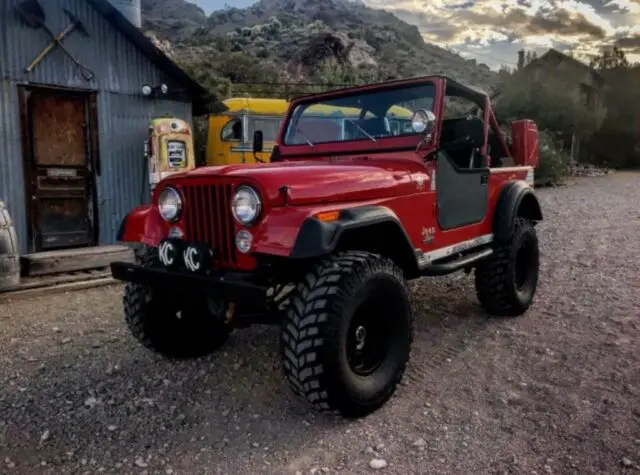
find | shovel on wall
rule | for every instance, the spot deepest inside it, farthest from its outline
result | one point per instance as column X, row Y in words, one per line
column 31, row 13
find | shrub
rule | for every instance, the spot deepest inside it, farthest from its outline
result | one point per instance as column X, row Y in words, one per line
column 554, row 162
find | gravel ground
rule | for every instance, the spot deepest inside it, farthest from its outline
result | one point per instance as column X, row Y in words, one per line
column 557, row 391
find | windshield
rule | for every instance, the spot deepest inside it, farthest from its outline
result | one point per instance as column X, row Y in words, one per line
column 365, row 116
column 270, row 126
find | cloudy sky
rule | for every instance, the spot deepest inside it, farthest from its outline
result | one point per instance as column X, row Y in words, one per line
column 492, row 31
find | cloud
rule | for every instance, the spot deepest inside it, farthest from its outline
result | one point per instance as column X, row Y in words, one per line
column 520, row 22
column 629, row 43
column 432, row 27
column 504, row 26
column 630, row 6
column 564, row 23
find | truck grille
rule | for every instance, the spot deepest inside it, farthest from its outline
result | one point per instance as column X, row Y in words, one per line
column 208, row 219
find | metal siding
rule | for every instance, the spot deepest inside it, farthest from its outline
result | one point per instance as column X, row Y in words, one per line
column 123, row 183
column 11, row 178
column 123, row 113
column 118, row 65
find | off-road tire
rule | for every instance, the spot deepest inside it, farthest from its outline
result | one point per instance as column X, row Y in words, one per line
column 495, row 277
column 151, row 318
column 315, row 331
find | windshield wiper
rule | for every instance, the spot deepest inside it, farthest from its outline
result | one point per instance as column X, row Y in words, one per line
column 351, row 121
column 304, row 136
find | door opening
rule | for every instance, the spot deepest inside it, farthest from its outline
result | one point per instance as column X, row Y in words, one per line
column 60, row 152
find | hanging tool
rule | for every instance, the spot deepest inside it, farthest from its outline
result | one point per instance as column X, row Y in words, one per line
column 32, row 14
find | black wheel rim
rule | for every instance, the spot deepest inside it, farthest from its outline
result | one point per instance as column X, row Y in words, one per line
column 524, row 264
column 370, row 331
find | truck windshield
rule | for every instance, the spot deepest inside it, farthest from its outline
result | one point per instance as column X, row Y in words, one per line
column 371, row 115
column 270, row 126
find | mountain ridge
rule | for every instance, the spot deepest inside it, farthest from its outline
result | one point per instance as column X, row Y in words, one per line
column 306, row 41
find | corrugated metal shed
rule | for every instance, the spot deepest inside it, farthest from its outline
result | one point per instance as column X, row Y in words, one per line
column 121, row 68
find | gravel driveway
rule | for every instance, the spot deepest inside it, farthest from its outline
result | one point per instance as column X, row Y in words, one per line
column 557, row 391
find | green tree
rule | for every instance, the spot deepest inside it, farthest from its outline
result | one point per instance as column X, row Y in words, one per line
column 525, row 57
column 548, row 104
column 617, row 142
column 557, row 114
column 610, row 59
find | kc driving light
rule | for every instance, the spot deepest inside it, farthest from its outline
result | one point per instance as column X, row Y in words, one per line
column 170, row 204
column 246, row 205
column 244, row 239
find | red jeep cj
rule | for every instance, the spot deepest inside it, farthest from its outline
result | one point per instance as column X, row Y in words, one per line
column 323, row 239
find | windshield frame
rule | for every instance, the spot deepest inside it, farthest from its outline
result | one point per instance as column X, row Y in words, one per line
column 358, row 145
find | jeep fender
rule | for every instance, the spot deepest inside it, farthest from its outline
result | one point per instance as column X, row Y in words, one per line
column 516, row 199
column 357, row 228
column 143, row 225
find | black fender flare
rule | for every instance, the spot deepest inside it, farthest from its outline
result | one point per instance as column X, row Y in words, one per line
column 516, row 199
column 317, row 238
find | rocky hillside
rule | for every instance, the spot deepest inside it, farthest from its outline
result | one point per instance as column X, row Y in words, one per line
column 293, row 41
column 174, row 20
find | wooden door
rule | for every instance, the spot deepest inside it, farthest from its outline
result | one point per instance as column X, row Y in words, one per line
column 61, row 184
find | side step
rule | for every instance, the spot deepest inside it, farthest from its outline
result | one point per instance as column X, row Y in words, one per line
column 450, row 266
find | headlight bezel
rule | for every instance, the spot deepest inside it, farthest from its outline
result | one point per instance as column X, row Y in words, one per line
column 179, row 204
column 253, row 193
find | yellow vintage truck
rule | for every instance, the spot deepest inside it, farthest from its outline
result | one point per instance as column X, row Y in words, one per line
column 230, row 134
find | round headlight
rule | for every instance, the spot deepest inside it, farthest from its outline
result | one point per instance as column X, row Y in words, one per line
column 246, row 205
column 170, row 204
column 419, row 122
column 423, row 121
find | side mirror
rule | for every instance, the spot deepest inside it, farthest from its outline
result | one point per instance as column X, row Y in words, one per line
column 258, row 142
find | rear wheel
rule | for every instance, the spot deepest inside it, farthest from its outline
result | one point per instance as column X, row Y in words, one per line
column 347, row 333
column 507, row 281
column 171, row 327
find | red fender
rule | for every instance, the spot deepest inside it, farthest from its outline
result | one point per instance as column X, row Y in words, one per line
column 143, row 225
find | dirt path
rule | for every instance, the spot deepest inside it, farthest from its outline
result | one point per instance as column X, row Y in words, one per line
column 557, row 391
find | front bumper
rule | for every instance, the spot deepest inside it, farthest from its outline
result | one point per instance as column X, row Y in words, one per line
column 225, row 285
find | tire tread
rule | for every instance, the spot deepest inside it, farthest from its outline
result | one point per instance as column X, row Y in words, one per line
column 493, row 277
column 313, row 318
column 154, row 333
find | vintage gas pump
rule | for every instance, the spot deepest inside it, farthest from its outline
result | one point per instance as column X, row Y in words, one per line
column 168, row 149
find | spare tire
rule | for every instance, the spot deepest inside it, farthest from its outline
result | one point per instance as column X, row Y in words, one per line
column 9, row 252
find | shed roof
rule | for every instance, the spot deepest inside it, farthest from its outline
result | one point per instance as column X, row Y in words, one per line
column 553, row 54
column 203, row 101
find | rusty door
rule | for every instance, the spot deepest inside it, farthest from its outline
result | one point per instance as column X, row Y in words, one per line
column 61, row 184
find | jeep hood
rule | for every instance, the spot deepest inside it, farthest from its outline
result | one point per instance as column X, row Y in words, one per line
column 320, row 182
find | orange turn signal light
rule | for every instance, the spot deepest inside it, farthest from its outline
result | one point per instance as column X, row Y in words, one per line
column 328, row 216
